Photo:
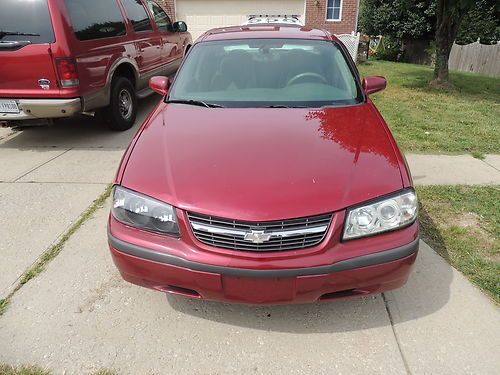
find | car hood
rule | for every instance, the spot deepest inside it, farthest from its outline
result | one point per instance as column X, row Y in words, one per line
column 263, row 164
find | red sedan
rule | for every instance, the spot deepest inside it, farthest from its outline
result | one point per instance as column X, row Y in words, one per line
column 266, row 175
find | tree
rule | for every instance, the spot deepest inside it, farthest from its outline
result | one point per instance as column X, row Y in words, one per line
column 481, row 23
column 398, row 19
column 449, row 15
column 406, row 22
column 408, row 26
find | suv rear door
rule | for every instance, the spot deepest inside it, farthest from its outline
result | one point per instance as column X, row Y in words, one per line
column 147, row 40
column 26, row 35
column 171, row 53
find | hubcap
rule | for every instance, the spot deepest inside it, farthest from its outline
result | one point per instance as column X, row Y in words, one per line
column 125, row 104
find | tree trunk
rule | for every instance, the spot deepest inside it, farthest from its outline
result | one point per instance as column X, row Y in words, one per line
column 449, row 14
column 443, row 49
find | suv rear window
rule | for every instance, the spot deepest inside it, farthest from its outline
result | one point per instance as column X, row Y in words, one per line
column 161, row 18
column 26, row 17
column 137, row 15
column 95, row 19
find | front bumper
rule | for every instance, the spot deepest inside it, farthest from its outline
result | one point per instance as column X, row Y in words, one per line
column 366, row 274
column 33, row 109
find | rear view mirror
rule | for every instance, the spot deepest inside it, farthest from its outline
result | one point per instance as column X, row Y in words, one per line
column 159, row 84
column 180, row 27
column 373, row 84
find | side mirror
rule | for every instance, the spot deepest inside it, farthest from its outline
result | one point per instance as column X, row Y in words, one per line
column 373, row 84
column 159, row 84
column 180, row 27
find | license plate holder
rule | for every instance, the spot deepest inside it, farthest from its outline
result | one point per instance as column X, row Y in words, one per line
column 259, row 290
column 8, row 106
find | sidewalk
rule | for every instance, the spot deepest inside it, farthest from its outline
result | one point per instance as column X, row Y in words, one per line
column 454, row 169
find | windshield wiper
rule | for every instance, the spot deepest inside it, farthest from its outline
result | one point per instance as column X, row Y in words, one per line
column 195, row 102
column 285, row 106
column 5, row 33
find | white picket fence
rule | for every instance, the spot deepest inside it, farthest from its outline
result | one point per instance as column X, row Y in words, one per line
column 351, row 41
column 476, row 57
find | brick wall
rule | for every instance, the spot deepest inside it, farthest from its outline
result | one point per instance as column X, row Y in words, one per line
column 169, row 6
column 316, row 16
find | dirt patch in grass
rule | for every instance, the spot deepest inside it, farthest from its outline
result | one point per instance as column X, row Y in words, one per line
column 472, row 224
column 462, row 223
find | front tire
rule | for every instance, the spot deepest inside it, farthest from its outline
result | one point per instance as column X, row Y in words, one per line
column 122, row 110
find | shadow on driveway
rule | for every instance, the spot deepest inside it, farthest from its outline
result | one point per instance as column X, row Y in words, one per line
column 336, row 316
column 79, row 132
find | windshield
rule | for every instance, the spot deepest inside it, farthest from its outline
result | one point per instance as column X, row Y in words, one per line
column 25, row 20
column 267, row 72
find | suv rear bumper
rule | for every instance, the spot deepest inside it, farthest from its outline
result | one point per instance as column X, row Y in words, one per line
column 31, row 109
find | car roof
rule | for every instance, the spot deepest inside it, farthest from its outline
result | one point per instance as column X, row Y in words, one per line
column 265, row 31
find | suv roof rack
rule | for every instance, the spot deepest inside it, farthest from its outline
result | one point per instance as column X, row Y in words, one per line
column 290, row 19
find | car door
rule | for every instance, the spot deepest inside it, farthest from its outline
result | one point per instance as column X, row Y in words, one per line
column 172, row 50
column 148, row 42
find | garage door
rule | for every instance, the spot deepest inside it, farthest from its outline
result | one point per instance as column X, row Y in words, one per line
column 202, row 15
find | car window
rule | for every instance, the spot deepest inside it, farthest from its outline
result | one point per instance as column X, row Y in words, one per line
column 95, row 19
column 137, row 15
column 25, row 17
column 266, row 72
column 161, row 18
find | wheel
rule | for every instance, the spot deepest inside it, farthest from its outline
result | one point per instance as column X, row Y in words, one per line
column 122, row 109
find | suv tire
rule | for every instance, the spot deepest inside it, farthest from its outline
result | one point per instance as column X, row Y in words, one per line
column 122, row 109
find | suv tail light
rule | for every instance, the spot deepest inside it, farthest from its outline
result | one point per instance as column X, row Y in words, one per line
column 68, row 75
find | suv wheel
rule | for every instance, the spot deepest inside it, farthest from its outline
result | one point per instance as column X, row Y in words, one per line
column 122, row 109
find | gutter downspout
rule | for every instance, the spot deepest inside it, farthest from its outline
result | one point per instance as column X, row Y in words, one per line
column 357, row 16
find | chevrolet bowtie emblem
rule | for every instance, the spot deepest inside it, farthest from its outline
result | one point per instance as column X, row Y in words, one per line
column 257, row 236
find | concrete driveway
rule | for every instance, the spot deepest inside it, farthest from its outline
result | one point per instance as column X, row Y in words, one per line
column 78, row 315
column 48, row 176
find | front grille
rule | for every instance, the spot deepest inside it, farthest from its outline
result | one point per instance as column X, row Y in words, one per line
column 276, row 235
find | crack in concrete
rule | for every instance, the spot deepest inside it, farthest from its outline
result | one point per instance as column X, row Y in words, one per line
column 403, row 358
column 492, row 166
column 41, row 165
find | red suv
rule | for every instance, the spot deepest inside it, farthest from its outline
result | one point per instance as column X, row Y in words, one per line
column 59, row 58
column 266, row 175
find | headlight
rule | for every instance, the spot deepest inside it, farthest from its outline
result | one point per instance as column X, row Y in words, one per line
column 380, row 216
column 144, row 212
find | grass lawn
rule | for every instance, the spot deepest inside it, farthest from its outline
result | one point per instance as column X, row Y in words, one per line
column 34, row 370
column 22, row 370
column 465, row 119
column 462, row 223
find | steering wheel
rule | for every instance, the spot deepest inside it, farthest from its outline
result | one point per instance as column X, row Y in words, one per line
column 298, row 77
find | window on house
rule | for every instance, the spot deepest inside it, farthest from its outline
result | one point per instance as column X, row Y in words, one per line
column 334, row 10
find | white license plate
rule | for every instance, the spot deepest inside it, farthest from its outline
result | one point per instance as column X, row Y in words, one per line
column 8, row 106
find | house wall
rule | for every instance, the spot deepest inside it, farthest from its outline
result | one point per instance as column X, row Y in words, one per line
column 316, row 16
